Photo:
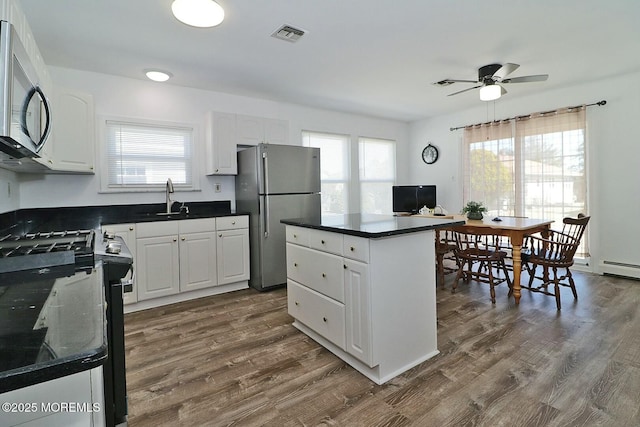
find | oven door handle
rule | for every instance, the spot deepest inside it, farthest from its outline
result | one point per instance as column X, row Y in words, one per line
column 127, row 284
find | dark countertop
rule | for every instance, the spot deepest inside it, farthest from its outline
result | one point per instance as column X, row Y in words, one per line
column 372, row 225
column 92, row 217
column 51, row 328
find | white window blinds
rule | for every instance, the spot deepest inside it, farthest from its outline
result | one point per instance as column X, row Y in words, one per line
column 377, row 164
column 141, row 155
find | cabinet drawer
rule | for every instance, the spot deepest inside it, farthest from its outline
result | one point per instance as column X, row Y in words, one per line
column 232, row 222
column 197, row 225
column 356, row 248
column 156, row 229
column 326, row 241
column 322, row 314
column 298, row 235
column 320, row 271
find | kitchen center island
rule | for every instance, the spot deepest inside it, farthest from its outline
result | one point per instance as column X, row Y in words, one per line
column 364, row 287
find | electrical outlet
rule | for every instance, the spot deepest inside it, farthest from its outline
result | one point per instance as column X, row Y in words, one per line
column 218, row 187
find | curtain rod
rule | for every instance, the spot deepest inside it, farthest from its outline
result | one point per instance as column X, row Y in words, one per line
column 600, row 103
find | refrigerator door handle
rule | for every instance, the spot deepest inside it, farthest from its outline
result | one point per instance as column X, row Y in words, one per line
column 265, row 181
column 266, row 217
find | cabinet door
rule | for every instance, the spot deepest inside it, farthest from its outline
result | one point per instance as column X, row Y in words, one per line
column 233, row 256
column 250, row 130
column 197, row 261
column 358, row 311
column 221, row 143
column 276, row 131
column 73, row 131
column 157, row 267
column 128, row 234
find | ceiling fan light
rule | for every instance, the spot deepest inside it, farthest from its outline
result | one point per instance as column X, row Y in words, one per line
column 198, row 13
column 490, row 92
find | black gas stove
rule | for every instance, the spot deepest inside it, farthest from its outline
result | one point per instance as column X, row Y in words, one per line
column 45, row 255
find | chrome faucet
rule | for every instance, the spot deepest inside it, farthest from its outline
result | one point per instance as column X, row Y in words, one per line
column 168, row 191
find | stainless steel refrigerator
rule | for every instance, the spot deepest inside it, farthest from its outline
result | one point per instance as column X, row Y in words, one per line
column 275, row 182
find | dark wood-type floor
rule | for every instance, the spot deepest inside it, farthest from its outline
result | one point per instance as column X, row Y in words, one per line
column 235, row 359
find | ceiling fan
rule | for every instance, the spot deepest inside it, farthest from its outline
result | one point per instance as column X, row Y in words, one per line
column 489, row 76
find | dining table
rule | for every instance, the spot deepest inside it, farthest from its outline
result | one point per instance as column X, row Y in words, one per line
column 514, row 228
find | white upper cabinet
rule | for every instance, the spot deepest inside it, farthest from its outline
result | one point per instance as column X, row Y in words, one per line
column 73, row 131
column 254, row 130
column 225, row 131
column 221, row 144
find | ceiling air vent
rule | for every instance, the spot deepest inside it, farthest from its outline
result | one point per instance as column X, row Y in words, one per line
column 288, row 33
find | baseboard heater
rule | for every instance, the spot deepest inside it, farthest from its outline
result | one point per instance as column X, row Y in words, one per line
column 621, row 269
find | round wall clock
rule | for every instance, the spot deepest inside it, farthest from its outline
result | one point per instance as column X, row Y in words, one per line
column 430, row 154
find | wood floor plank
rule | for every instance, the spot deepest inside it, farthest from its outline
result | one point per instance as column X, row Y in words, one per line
column 236, row 360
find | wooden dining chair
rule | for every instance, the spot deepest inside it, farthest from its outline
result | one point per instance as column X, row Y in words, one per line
column 479, row 260
column 445, row 245
column 555, row 254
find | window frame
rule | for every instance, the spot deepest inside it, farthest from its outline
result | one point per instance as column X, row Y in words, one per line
column 103, row 161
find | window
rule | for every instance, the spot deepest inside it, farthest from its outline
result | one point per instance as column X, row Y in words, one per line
column 377, row 159
column 143, row 156
column 334, row 169
column 344, row 191
column 533, row 166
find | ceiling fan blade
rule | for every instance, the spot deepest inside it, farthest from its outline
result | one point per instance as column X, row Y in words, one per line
column 464, row 90
column 460, row 81
column 504, row 71
column 527, row 79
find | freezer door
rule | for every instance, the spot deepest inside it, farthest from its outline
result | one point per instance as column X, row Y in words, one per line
column 270, row 256
column 286, row 169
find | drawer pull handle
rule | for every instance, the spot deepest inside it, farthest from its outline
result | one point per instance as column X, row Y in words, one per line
column 295, row 236
column 344, row 266
column 324, row 275
column 324, row 319
column 352, row 248
column 183, row 239
column 297, row 303
column 322, row 241
column 295, row 264
column 130, row 228
column 233, row 223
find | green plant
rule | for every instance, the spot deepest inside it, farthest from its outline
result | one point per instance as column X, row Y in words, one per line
column 474, row 207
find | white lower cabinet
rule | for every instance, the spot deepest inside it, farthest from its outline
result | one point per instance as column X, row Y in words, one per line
column 173, row 257
column 370, row 301
column 43, row 404
column 321, row 313
column 232, row 249
column 197, row 253
column 329, row 292
column 176, row 258
column 357, row 300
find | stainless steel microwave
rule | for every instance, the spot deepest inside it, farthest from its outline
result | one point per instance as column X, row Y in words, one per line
column 25, row 113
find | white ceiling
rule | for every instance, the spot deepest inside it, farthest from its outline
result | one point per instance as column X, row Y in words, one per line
column 372, row 57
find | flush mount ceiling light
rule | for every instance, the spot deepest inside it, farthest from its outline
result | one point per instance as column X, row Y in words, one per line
column 198, row 13
column 490, row 92
column 157, row 75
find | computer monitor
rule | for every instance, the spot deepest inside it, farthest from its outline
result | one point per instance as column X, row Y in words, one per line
column 411, row 198
column 426, row 196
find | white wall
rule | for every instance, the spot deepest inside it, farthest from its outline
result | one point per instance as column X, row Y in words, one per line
column 116, row 96
column 9, row 191
column 613, row 153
